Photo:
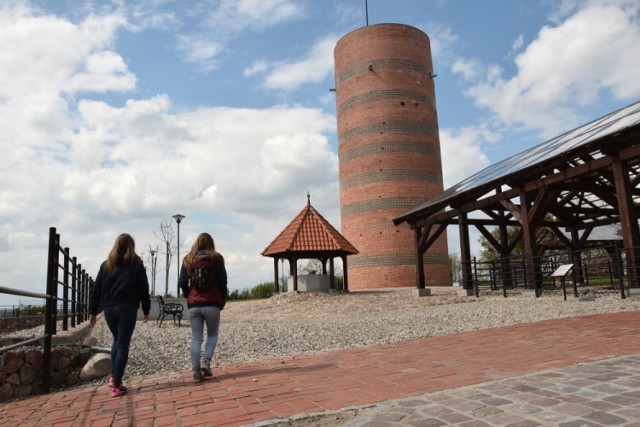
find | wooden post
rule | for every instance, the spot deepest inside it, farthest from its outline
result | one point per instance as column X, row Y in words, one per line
column 628, row 218
column 465, row 251
column 419, row 259
column 276, row 285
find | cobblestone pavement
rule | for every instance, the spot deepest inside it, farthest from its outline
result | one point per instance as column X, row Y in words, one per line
column 603, row 393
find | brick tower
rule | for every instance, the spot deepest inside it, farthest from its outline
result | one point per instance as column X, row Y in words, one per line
column 389, row 152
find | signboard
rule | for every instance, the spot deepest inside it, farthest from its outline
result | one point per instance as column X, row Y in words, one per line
column 562, row 270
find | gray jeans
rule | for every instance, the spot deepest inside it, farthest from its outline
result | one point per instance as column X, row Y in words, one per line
column 198, row 316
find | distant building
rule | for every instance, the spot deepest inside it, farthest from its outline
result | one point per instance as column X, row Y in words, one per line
column 389, row 152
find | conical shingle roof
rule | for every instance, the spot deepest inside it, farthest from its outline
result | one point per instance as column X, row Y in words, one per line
column 309, row 232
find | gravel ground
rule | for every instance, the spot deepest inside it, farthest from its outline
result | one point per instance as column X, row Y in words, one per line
column 287, row 324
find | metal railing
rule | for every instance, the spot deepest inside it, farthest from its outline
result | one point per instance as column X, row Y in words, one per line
column 605, row 267
column 73, row 304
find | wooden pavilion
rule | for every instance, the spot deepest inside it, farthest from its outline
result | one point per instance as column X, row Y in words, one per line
column 585, row 178
column 310, row 236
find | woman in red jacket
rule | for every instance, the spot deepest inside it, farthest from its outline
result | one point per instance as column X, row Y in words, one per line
column 203, row 280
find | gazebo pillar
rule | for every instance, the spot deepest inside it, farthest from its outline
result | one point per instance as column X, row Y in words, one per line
column 294, row 273
column 332, row 274
column 345, row 279
column 276, row 286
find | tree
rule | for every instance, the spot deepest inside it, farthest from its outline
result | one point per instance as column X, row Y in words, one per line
column 488, row 252
column 313, row 266
column 167, row 236
column 456, row 267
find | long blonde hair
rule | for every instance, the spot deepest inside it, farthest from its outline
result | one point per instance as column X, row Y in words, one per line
column 204, row 243
column 124, row 248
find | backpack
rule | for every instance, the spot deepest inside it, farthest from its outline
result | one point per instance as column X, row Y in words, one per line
column 200, row 279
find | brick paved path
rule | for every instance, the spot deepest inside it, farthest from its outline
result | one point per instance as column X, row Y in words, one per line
column 251, row 392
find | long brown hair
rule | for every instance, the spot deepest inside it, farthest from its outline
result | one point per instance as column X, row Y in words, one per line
column 124, row 248
column 204, row 243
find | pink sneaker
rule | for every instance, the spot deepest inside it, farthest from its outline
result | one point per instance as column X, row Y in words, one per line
column 112, row 384
column 118, row 390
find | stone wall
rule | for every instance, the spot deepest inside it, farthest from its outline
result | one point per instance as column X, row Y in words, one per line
column 21, row 371
column 21, row 368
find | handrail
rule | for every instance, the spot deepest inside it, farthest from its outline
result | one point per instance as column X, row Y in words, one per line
column 21, row 343
column 18, row 292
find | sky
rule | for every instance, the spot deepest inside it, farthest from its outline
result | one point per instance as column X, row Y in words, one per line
column 116, row 115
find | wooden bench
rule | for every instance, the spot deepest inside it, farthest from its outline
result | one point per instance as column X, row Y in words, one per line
column 169, row 309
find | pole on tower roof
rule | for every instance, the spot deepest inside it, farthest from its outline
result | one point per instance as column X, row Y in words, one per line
column 366, row 11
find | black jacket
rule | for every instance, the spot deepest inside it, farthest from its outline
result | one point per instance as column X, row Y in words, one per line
column 127, row 285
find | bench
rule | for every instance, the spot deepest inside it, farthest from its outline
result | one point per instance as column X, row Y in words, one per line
column 169, row 309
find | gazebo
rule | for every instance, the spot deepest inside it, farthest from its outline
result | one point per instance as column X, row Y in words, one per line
column 310, row 236
column 586, row 178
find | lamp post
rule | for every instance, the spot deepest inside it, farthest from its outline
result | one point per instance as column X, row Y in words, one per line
column 178, row 219
column 153, row 271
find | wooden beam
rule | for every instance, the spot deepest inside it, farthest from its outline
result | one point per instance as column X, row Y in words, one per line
column 492, row 240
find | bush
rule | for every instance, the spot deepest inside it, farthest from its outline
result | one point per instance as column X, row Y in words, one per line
column 339, row 283
column 263, row 290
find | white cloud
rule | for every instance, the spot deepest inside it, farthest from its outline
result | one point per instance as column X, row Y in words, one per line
column 205, row 44
column 128, row 168
column 517, row 44
column 467, row 68
column 93, row 170
column 200, row 49
column 256, row 68
column 234, row 16
column 314, row 67
column 462, row 152
column 566, row 68
column 301, row 156
column 39, row 72
column 441, row 39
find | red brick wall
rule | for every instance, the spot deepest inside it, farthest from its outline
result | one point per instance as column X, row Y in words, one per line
column 389, row 152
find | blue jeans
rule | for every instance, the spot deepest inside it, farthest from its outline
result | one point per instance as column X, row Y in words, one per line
column 121, row 319
column 198, row 316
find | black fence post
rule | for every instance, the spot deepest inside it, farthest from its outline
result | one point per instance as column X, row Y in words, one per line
column 475, row 279
column 48, row 312
column 65, row 292
column 54, row 287
column 620, row 270
column 573, row 255
column 80, row 294
column 74, row 293
column 85, row 295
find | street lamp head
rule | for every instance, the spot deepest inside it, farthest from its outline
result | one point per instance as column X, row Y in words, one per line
column 152, row 252
column 178, row 218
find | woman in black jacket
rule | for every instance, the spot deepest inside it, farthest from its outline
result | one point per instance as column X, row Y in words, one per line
column 120, row 287
column 203, row 280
